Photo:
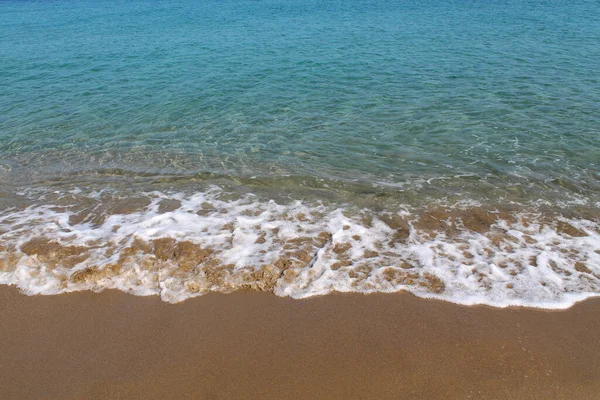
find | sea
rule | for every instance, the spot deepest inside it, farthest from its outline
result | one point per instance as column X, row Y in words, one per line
column 446, row 148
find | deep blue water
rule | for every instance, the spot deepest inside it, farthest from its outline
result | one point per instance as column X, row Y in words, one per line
column 471, row 96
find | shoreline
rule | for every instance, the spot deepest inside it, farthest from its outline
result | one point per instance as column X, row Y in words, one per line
column 257, row 345
column 180, row 247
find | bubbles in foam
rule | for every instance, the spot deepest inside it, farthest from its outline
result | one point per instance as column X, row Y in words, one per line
column 179, row 246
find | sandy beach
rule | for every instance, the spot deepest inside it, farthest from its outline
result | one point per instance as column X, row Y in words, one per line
column 255, row 345
column 299, row 199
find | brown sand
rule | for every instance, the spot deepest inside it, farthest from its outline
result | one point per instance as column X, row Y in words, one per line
column 255, row 345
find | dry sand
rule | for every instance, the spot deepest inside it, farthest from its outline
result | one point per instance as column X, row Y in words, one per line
column 255, row 345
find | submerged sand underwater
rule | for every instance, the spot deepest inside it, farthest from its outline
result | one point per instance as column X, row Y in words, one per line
column 303, row 147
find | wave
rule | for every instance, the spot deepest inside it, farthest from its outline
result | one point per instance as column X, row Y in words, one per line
column 178, row 246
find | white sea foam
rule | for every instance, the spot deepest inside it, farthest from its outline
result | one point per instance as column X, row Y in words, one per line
column 297, row 250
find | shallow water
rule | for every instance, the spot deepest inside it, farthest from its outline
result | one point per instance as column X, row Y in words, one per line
column 339, row 109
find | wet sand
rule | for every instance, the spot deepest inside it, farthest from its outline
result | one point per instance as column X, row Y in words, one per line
column 255, row 345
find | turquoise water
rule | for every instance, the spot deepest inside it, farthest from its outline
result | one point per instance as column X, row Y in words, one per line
column 176, row 148
column 463, row 95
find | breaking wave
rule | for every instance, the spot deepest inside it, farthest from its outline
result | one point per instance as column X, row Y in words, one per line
column 179, row 246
